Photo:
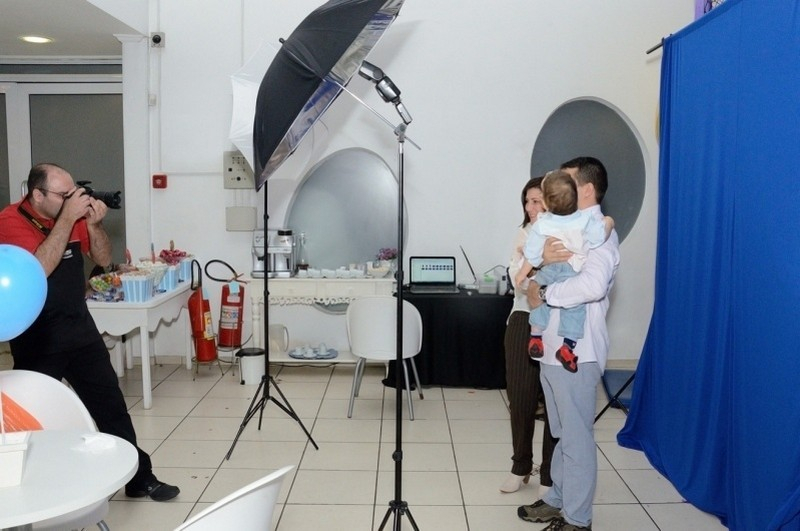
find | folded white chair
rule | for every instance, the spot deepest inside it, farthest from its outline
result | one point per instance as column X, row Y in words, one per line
column 249, row 508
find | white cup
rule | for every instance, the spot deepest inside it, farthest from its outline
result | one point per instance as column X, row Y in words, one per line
column 323, row 349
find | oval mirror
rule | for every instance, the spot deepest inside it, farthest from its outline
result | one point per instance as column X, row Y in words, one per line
column 347, row 207
column 590, row 128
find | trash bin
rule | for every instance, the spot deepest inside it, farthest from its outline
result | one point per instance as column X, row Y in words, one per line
column 253, row 365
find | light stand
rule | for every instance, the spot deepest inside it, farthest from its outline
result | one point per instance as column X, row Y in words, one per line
column 390, row 93
column 616, row 399
column 257, row 404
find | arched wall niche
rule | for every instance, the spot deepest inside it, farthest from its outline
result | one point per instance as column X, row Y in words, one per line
column 587, row 127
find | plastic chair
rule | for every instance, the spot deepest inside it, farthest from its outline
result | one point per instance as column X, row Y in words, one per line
column 56, row 407
column 372, row 332
column 250, row 507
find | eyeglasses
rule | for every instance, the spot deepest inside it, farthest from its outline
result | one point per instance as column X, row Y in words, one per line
column 62, row 195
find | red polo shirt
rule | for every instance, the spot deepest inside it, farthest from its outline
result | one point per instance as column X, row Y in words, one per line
column 16, row 229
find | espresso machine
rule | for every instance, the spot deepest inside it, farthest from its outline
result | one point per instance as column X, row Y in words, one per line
column 258, row 254
column 280, row 254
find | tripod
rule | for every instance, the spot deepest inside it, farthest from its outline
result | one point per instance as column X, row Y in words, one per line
column 616, row 399
column 397, row 507
column 267, row 381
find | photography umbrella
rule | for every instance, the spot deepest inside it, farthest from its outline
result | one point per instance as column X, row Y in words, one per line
column 245, row 83
column 308, row 73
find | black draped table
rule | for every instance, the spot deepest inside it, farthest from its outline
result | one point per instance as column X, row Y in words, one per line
column 462, row 339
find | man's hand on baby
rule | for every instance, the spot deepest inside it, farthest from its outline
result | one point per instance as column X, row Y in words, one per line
column 554, row 251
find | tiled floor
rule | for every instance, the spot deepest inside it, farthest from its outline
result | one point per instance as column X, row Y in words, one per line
column 455, row 455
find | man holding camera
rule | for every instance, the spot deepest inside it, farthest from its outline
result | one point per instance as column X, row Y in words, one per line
column 58, row 222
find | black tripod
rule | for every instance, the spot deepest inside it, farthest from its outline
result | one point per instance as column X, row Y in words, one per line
column 257, row 405
column 397, row 506
column 615, row 398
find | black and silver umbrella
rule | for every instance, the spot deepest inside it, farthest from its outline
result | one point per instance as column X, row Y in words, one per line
column 310, row 71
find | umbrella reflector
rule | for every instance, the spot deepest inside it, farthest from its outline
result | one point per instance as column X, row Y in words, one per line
column 309, row 71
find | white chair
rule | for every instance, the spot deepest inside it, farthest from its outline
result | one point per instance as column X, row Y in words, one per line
column 372, row 332
column 249, row 508
column 56, row 407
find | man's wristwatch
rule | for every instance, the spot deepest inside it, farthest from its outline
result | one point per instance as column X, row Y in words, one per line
column 543, row 294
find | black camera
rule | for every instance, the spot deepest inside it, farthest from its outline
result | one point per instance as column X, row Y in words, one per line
column 111, row 199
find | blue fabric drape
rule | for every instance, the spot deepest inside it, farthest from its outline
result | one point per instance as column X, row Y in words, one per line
column 716, row 405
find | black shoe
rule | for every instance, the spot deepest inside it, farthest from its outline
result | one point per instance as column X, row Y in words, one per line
column 157, row 490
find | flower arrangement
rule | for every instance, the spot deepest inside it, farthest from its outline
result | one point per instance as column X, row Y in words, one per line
column 386, row 253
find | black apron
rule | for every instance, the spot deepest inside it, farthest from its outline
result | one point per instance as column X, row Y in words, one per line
column 65, row 322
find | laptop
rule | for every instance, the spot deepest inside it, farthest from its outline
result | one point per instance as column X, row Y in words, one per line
column 432, row 274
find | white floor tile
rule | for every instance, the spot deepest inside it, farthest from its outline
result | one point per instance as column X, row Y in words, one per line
column 650, row 487
column 422, row 488
column 332, row 487
column 680, row 516
column 341, row 456
column 427, row 457
column 347, row 430
column 324, row 516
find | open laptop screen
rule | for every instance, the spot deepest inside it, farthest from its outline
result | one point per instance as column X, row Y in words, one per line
column 432, row 270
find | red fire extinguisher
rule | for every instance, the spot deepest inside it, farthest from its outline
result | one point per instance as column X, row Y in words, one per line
column 232, row 308
column 205, row 345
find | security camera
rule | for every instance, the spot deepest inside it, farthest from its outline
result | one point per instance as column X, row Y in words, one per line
column 157, row 39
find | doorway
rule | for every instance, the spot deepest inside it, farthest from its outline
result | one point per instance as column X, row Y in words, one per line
column 75, row 125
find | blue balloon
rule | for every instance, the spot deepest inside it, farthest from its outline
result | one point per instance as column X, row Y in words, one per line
column 23, row 289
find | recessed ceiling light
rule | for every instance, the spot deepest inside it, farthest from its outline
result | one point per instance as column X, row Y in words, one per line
column 35, row 39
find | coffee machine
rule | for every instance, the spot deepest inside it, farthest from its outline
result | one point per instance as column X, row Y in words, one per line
column 280, row 254
column 258, row 254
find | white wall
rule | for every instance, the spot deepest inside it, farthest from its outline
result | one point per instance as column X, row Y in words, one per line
column 479, row 78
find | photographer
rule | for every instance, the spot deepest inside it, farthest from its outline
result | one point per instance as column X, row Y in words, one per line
column 58, row 222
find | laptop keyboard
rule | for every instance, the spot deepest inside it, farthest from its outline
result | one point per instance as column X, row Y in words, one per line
column 433, row 289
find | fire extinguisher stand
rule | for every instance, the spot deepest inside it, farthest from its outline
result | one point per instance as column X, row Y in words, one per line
column 263, row 394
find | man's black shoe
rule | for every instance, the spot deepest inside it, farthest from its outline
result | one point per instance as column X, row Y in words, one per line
column 157, row 490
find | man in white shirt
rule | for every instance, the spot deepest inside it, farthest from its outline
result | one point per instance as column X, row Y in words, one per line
column 571, row 397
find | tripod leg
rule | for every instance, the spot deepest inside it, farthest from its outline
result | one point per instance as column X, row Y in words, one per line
column 287, row 408
column 615, row 398
column 251, row 410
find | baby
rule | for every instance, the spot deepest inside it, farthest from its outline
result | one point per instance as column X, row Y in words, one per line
column 579, row 231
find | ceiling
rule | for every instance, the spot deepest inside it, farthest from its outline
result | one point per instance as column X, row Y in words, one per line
column 78, row 29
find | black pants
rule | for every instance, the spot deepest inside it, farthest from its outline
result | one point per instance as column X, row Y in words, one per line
column 88, row 370
column 524, row 388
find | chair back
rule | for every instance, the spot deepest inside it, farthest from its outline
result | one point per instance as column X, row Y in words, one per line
column 52, row 403
column 249, row 508
column 56, row 407
column 372, row 328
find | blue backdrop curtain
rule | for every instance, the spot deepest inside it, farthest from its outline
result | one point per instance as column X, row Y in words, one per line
column 716, row 405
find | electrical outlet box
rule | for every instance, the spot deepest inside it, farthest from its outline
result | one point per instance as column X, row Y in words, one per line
column 236, row 172
column 240, row 218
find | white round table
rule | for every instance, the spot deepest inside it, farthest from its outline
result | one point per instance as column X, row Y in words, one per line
column 65, row 471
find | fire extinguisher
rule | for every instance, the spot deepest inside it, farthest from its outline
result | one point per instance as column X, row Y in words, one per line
column 205, row 344
column 232, row 308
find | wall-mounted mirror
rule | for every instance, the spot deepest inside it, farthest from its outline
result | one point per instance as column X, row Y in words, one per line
column 590, row 128
column 347, row 207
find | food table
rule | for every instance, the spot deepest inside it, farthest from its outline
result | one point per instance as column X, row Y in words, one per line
column 118, row 318
column 66, row 471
